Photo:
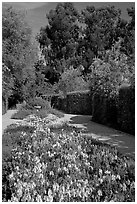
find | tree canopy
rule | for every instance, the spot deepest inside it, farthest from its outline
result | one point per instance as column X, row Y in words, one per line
column 78, row 37
column 18, row 51
column 95, row 37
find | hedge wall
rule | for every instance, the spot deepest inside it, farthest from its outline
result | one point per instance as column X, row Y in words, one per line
column 126, row 109
column 119, row 112
column 78, row 102
column 104, row 110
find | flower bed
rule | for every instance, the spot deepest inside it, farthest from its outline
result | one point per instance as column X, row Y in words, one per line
column 66, row 167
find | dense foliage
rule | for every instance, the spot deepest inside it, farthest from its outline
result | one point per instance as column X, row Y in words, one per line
column 109, row 73
column 75, row 38
column 18, row 51
column 72, row 39
column 7, row 82
column 71, row 80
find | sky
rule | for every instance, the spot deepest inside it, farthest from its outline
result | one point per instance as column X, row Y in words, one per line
column 123, row 5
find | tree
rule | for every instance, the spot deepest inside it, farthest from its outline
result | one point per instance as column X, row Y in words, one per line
column 71, row 80
column 100, row 31
column 18, row 51
column 59, row 39
column 7, row 82
column 128, row 46
column 108, row 74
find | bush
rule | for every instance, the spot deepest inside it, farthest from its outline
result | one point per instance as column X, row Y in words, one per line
column 71, row 80
column 36, row 106
column 37, row 101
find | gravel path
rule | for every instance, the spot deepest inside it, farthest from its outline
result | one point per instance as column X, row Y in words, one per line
column 124, row 142
column 6, row 119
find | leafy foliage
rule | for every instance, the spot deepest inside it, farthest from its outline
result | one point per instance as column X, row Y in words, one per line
column 59, row 40
column 108, row 74
column 77, row 38
column 101, row 26
column 18, row 52
column 7, row 81
column 71, row 80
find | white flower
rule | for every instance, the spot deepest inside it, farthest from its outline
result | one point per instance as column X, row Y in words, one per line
column 132, row 185
column 118, row 176
column 11, row 175
column 86, row 182
column 48, row 130
column 113, row 177
column 51, row 173
column 101, row 180
column 124, row 187
column 100, row 171
column 14, row 199
column 128, row 182
column 125, row 165
column 79, row 147
column 38, row 198
column 19, row 192
column 99, row 192
column 107, row 172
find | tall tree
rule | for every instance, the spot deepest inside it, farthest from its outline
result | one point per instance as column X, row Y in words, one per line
column 18, row 52
column 100, row 30
column 59, row 39
column 129, row 37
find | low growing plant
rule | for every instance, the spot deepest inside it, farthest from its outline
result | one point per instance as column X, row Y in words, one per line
column 66, row 167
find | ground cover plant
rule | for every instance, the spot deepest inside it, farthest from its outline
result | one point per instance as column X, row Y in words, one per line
column 63, row 166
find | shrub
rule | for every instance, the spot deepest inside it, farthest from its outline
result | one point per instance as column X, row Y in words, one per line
column 37, row 101
column 71, row 80
column 30, row 108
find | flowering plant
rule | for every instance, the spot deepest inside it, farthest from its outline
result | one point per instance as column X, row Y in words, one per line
column 67, row 167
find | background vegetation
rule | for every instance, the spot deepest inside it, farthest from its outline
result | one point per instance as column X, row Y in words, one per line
column 78, row 50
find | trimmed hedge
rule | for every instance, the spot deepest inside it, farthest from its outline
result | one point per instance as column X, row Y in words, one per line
column 77, row 102
column 104, row 110
column 118, row 113
column 126, row 109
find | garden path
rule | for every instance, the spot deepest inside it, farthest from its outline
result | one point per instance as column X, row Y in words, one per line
column 123, row 141
column 6, row 119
